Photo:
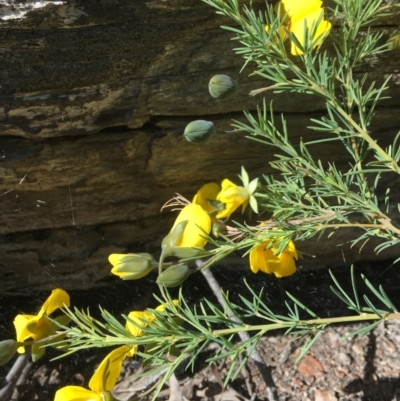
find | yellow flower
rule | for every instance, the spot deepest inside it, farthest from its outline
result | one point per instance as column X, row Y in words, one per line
column 232, row 196
column 143, row 318
column 102, row 381
column 206, row 193
column 38, row 326
column 302, row 14
column 197, row 228
column 281, row 265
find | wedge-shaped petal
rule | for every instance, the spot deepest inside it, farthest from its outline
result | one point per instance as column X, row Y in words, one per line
column 77, row 393
column 197, row 228
column 107, row 373
column 208, row 192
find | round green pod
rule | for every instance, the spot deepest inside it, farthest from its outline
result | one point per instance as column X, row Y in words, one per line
column 222, row 86
column 199, row 131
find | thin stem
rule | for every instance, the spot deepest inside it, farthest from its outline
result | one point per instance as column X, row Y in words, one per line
column 244, row 336
column 351, row 225
column 313, row 322
column 366, row 137
column 386, row 224
column 160, row 269
column 42, row 340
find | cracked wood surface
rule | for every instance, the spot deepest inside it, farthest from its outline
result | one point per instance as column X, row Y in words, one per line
column 94, row 99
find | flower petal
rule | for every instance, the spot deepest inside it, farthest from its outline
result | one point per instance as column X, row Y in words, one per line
column 197, row 228
column 21, row 323
column 204, row 194
column 281, row 265
column 297, row 10
column 254, row 263
column 140, row 319
column 57, row 299
column 271, row 262
column 287, row 265
column 77, row 393
column 232, row 196
column 107, row 373
column 297, row 29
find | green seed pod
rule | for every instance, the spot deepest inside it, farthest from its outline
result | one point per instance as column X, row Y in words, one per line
column 199, row 131
column 8, row 348
column 174, row 276
column 222, row 86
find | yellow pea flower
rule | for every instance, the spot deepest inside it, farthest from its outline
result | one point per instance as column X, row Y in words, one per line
column 102, row 381
column 208, row 192
column 37, row 327
column 232, row 196
column 282, row 265
column 197, row 228
column 142, row 318
column 302, row 14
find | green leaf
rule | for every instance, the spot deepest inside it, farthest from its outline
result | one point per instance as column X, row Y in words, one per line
column 295, row 300
column 309, row 343
column 253, row 186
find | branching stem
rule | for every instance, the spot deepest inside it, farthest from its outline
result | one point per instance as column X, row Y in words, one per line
column 312, row 322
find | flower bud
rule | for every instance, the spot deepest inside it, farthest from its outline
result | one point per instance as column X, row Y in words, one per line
column 222, row 86
column 132, row 266
column 174, row 276
column 199, row 131
column 8, row 348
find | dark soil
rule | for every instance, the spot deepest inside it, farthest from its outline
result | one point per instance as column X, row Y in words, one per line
column 336, row 368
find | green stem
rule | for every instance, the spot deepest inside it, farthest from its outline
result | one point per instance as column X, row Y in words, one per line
column 323, row 321
column 366, row 137
column 42, row 340
column 160, row 269
column 324, row 226
column 387, row 225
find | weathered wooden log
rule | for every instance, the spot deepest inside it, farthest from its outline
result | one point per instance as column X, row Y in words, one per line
column 94, row 99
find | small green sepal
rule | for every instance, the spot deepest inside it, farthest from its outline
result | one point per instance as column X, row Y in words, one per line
column 8, row 348
column 168, row 243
